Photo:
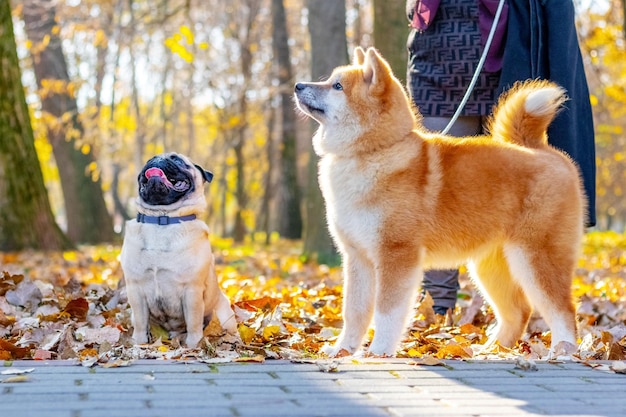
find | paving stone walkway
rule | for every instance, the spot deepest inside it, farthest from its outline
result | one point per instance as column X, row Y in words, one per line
column 369, row 388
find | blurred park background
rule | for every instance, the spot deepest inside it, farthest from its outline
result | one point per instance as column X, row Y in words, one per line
column 96, row 87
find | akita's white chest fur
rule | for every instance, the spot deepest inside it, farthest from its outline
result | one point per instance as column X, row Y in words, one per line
column 352, row 219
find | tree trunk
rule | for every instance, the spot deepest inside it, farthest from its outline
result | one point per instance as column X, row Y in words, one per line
column 88, row 220
column 265, row 214
column 246, row 44
column 624, row 17
column 140, row 133
column 329, row 49
column 390, row 34
column 189, row 94
column 26, row 219
column 239, row 232
column 289, row 214
column 118, row 205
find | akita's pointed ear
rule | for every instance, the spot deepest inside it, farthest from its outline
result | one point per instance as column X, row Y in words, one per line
column 358, row 57
column 376, row 71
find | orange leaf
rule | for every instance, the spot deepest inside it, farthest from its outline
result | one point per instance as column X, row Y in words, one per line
column 454, row 351
column 88, row 353
column 8, row 282
column 342, row 353
column 265, row 303
column 214, row 328
column 14, row 351
column 6, row 320
column 77, row 308
column 469, row 328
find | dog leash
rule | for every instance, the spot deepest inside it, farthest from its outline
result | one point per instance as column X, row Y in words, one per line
column 479, row 68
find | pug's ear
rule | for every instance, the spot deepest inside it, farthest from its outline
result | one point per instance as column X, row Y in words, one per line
column 207, row 175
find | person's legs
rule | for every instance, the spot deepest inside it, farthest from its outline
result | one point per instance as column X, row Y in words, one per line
column 443, row 284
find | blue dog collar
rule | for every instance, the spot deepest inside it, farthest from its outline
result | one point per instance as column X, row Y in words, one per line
column 164, row 220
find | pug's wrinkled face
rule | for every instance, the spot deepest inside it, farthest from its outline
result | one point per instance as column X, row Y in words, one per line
column 169, row 178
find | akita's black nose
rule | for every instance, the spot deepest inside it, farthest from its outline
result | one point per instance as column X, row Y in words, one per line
column 300, row 86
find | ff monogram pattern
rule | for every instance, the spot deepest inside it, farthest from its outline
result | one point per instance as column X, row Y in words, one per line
column 443, row 60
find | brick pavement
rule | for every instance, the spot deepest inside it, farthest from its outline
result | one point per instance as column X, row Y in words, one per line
column 369, row 388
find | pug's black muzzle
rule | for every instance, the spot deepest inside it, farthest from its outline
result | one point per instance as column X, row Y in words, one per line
column 164, row 181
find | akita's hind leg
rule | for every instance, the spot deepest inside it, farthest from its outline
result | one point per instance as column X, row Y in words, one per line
column 546, row 278
column 398, row 279
column 504, row 295
column 358, row 304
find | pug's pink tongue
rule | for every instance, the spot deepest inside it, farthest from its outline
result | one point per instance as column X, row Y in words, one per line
column 157, row 172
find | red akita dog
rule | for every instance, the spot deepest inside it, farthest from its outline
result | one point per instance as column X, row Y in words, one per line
column 400, row 199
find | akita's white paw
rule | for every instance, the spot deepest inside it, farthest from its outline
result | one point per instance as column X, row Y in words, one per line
column 335, row 351
column 381, row 350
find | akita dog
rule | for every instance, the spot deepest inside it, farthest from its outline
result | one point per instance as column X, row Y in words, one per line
column 400, row 199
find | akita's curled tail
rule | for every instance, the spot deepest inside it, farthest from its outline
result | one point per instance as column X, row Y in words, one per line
column 524, row 112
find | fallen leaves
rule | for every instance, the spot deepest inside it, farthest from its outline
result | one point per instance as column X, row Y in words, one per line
column 24, row 294
column 525, row 364
column 69, row 306
column 428, row 361
column 9, row 350
column 77, row 309
column 17, row 371
column 16, row 379
column 619, row 367
column 19, row 375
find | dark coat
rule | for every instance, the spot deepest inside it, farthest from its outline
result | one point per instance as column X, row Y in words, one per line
column 542, row 43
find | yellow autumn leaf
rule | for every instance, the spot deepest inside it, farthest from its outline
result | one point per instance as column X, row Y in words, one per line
column 414, row 353
column 246, row 333
column 187, row 33
column 271, row 331
column 100, row 39
column 92, row 167
column 70, row 256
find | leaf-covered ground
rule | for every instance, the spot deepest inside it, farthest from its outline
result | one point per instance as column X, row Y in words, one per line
column 69, row 306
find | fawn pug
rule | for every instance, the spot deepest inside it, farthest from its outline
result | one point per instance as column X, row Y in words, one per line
column 166, row 255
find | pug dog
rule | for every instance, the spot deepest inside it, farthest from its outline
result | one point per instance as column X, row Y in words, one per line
column 166, row 256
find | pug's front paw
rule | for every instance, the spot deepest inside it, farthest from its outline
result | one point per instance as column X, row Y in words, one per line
column 192, row 340
column 140, row 338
